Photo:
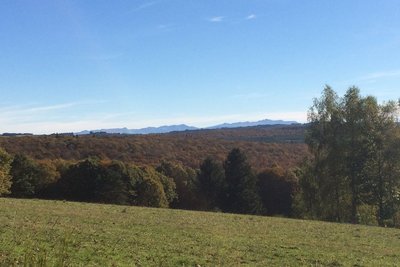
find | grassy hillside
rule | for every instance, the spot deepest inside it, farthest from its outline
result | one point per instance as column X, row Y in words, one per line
column 77, row 234
column 264, row 146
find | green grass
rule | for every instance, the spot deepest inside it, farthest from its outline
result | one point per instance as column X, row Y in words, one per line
column 56, row 233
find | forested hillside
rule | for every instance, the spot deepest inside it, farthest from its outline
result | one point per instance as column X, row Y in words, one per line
column 264, row 146
column 343, row 166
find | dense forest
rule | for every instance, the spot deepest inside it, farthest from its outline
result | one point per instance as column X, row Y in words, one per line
column 343, row 166
column 263, row 145
column 230, row 186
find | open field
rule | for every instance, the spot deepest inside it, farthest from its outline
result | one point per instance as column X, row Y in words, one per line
column 77, row 234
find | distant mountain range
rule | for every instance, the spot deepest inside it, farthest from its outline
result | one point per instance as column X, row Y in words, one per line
column 147, row 130
column 251, row 123
column 184, row 127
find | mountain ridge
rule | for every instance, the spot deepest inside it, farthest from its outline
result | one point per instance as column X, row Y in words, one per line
column 184, row 127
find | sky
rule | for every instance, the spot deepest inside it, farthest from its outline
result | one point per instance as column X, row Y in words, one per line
column 67, row 66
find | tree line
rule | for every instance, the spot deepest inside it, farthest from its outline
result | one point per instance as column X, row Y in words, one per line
column 354, row 173
column 228, row 186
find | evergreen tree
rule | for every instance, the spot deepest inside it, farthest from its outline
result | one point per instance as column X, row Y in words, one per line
column 210, row 185
column 241, row 192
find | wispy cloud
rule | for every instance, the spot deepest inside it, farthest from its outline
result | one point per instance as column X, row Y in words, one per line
column 231, row 20
column 106, row 57
column 380, row 74
column 251, row 16
column 45, row 125
column 51, row 108
column 144, row 6
column 216, row 19
column 53, row 126
column 13, row 111
column 31, row 118
column 251, row 96
column 166, row 27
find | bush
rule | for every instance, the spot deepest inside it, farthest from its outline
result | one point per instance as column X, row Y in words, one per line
column 367, row 214
column 277, row 189
column 29, row 177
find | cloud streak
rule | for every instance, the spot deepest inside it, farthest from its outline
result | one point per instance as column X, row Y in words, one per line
column 380, row 75
column 31, row 118
column 251, row 16
column 106, row 57
column 251, row 96
column 45, row 125
column 216, row 19
column 28, row 111
column 31, row 109
column 166, row 27
column 144, row 6
column 51, row 108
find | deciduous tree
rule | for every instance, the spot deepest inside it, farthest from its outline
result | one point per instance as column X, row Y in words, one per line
column 5, row 177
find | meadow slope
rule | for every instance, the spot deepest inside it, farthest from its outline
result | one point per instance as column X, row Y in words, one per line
column 78, row 234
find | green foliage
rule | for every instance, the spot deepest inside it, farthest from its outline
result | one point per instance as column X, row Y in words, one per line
column 184, row 179
column 241, row 183
column 93, row 180
column 367, row 214
column 355, row 160
column 24, row 174
column 29, row 177
column 277, row 189
column 114, row 184
column 169, row 186
column 150, row 188
column 5, row 178
column 307, row 202
column 79, row 181
column 211, row 185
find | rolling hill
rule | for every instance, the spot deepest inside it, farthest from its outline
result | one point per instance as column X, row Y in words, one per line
column 57, row 233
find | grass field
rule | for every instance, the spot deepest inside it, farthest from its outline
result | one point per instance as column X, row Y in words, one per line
column 56, row 233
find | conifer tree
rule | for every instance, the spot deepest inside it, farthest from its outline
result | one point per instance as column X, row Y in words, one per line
column 241, row 189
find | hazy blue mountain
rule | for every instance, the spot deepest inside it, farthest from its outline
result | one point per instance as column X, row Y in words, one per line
column 147, row 130
column 251, row 123
column 163, row 129
column 184, row 127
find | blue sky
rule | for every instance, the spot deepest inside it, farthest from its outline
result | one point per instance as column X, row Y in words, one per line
column 75, row 65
